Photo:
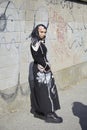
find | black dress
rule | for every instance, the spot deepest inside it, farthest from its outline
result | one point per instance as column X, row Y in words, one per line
column 44, row 95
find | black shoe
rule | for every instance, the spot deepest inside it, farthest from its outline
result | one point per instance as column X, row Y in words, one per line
column 53, row 118
column 32, row 111
column 55, row 114
column 39, row 115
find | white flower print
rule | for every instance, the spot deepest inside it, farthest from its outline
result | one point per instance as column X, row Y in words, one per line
column 43, row 78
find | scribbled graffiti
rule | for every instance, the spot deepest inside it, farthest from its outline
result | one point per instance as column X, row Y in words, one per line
column 63, row 3
column 61, row 29
column 54, row 2
column 77, row 38
column 61, row 25
column 71, row 37
column 66, row 4
column 3, row 19
column 9, row 44
column 76, row 42
column 10, row 39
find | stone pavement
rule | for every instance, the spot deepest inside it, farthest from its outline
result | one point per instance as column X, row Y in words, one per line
column 73, row 102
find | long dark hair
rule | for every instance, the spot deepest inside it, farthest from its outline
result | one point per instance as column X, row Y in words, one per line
column 35, row 34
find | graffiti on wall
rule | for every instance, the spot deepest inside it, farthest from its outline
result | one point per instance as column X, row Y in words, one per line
column 3, row 20
column 66, row 4
column 9, row 23
column 9, row 47
column 63, row 3
column 54, row 2
column 71, row 36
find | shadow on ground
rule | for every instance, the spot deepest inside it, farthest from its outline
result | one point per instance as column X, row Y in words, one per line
column 80, row 110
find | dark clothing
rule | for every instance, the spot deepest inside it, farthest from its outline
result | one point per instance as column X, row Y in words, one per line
column 40, row 57
column 44, row 96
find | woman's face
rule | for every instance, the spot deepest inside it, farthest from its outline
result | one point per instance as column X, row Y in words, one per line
column 42, row 32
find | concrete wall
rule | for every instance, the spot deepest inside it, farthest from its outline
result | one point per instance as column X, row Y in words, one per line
column 66, row 41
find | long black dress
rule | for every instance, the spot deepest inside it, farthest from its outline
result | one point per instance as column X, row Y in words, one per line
column 44, row 95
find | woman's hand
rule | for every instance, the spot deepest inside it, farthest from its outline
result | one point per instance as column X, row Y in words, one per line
column 41, row 68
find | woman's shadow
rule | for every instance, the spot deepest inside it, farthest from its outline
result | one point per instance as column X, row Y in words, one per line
column 80, row 110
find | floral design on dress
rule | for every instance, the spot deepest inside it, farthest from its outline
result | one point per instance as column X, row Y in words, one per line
column 43, row 78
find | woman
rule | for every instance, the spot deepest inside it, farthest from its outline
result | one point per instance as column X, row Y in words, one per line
column 44, row 96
